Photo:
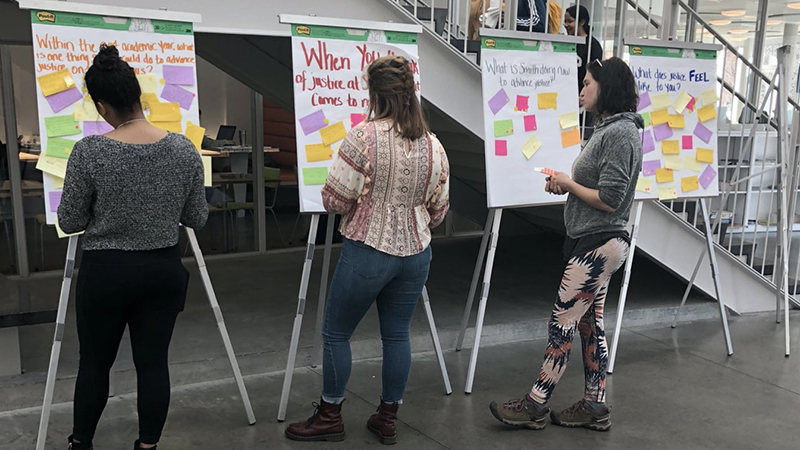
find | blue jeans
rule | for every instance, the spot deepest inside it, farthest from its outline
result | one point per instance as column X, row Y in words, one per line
column 363, row 276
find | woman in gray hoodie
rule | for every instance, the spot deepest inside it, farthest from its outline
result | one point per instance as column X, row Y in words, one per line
column 601, row 192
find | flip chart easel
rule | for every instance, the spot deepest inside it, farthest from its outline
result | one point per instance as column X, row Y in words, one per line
column 55, row 353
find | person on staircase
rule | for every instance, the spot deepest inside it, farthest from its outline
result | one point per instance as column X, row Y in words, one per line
column 390, row 182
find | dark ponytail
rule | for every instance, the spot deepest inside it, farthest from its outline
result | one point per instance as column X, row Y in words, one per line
column 112, row 81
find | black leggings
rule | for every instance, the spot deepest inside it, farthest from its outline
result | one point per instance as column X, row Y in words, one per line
column 145, row 291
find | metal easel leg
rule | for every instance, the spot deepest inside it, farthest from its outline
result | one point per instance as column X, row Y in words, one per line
column 715, row 274
column 487, row 230
column 323, row 289
column 689, row 287
column 437, row 346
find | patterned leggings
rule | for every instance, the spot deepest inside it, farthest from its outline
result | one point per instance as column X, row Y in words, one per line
column 580, row 303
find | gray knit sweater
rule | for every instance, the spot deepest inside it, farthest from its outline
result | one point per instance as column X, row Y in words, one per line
column 610, row 163
column 132, row 196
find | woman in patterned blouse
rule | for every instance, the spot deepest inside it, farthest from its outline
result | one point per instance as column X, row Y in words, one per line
column 390, row 183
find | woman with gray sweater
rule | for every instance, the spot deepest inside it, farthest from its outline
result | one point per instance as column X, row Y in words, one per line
column 596, row 214
column 128, row 190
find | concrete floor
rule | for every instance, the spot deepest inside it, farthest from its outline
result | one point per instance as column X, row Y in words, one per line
column 672, row 389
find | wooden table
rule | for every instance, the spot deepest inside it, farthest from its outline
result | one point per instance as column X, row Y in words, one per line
column 30, row 188
column 28, row 157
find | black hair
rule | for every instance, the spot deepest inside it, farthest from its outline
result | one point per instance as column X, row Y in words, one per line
column 617, row 86
column 112, row 81
column 578, row 16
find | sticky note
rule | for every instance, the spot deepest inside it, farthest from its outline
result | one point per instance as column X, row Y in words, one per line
column 52, row 166
column 681, row 102
column 356, row 119
column 182, row 75
column 59, row 147
column 690, row 163
column 687, row 143
column 692, row 104
column 61, row 234
column 522, row 103
column 498, row 101
column 568, row 120
column 707, row 177
column 165, row 112
column 644, row 184
column 86, row 110
column 531, row 146
column 148, row 83
column 570, row 138
column 195, row 134
column 646, row 118
column 707, row 113
column 661, row 101
column 662, row 132
column 61, row 126
column 690, row 184
column 500, row 147
column 673, row 162
column 709, row 97
column 55, row 82
column 55, row 200
column 333, row 133
column 660, row 116
column 176, row 94
column 670, row 147
column 313, row 122
column 530, row 123
column 318, row 152
column 58, row 182
column 503, row 128
column 172, row 127
column 548, row 101
column 314, row 176
column 664, row 175
column 705, row 155
column 648, row 145
column 650, row 167
column 206, row 170
column 703, row 133
column 667, row 192
column 676, row 121
column 62, row 100
column 93, row 128
column 644, row 101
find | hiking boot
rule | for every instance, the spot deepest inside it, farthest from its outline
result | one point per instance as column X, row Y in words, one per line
column 324, row 425
column 384, row 423
column 581, row 415
column 521, row 413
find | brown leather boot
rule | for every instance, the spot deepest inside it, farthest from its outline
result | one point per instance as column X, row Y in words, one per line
column 383, row 423
column 324, row 425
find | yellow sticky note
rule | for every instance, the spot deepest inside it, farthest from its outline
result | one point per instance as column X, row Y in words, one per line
column 172, row 127
column 667, row 193
column 664, row 175
column 548, row 101
column 644, row 184
column 709, row 97
column 61, row 234
column 676, row 121
column 681, row 102
column 165, row 112
column 531, row 146
column 661, row 101
column 705, row 155
column 148, row 83
column 568, row 120
column 58, row 182
column 206, row 170
column 707, row 112
column 85, row 111
column 333, row 133
column 148, row 99
column 660, row 116
column 690, row 163
column 55, row 82
column 52, row 166
column 673, row 162
column 318, row 152
column 570, row 138
column 690, row 184
column 195, row 134
column 670, row 147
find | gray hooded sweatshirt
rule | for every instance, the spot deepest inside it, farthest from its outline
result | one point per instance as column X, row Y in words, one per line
column 610, row 162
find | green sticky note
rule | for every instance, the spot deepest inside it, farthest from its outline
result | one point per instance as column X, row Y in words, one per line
column 646, row 117
column 315, row 176
column 503, row 128
column 61, row 126
column 59, row 147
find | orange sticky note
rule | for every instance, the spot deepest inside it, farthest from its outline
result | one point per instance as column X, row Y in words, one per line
column 548, row 101
column 676, row 121
column 664, row 175
column 689, row 184
column 659, row 117
column 705, row 155
column 707, row 112
column 670, row 147
column 570, row 138
column 55, row 82
column 318, row 152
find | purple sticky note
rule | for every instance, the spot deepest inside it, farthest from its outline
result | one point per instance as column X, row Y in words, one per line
column 183, row 75
column 644, row 101
column 707, row 176
column 498, row 101
column 63, row 99
column 92, row 128
column 647, row 142
column 55, row 200
column 662, row 131
column 687, row 143
column 703, row 132
column 177, row 94
column 313, row 122
column 649, row 167
column 530, row 123
column 501, row 148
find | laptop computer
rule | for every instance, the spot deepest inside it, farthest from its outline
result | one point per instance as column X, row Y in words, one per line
column 226, row 132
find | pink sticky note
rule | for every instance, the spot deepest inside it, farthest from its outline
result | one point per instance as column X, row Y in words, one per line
column 703, row 132
column 530, row 123
column 182, row 75
column 64, row 99
column 55, row 200
column 498, row 101
column 707, row 176
column 93, row 128
column 662, row 131
column 177, row 94
column 687, row 143
column 356, row 119
column 313, row 122
column 522, row 103
column 501, row 148
column 649, row 167
column 647, row 142
column 644, row 101
column 691, row 104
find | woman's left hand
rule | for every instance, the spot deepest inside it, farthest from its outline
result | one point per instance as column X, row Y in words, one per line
column 560, row 183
